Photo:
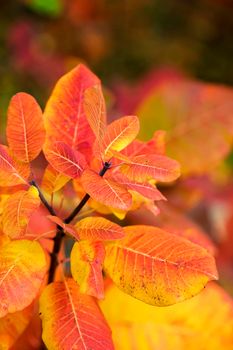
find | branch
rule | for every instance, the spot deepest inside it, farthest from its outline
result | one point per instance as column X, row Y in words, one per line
column 42, row 198
column 86, row 197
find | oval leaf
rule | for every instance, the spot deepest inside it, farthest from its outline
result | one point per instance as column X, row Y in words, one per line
column 72, row 320
column 98, row 229
column 17, row 211
column 157, row 267
column 65, row 119
column 22, row 270
column 150, row 166
column 12, row 173
column 106, row 191
column 66, row 160
column 25, row 129
column 86, row 267
column 119, row 134
column 95, row 109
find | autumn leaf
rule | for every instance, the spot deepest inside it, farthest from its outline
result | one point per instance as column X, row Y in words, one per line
column 144, row 188
column 98, row 229
column 95, row 109
column 66, row 227
column 12, row 172
column 22, row 270
column 13, row 325
column 203, row 322
column 66, row 160
column 17, row 212
column 25, row 129
column 158, row 267
column 65, row 118
column 118, row 135
column 86, row 267
column 106, row 191
column 198, row 120
column 71, row 319
column 151, row 166
column 53, row 180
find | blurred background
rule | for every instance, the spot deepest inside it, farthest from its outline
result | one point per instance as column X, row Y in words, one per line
column 121, row 40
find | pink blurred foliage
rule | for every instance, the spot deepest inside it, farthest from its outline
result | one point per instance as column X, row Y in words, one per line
column 128, row 97
column 33, row 53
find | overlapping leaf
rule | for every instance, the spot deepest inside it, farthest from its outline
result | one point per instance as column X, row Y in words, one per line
column 98, row 229
column 25, row 130
column 72, row 320
column 95, row 110
column 13, row 325
column 144, row 188
column 66, row 160
column 86, row 267
column 118, row 135
column 66, row 227
column 203, row 322
column 12, row 172
column 53, row 180
column 65, row 118
column 151, row 166
column 22, row 270
column 157, row 267
column 106, row 191
column 17, row 212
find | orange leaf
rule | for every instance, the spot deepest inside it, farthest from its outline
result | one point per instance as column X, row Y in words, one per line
column 158, row 267
column 25, row 130
column 151, row 166
column 118, row 135
column 95, row 109
column 17, row 211
column 65, row 119
column 13, row 325
column 66, row 160
column 72, row 320
column 144, row 188
column 86, row 267
column 106, row 191
column 98, row 228
column 22, row 270
column 66, row 227
column 12, row 173
column 53, row 180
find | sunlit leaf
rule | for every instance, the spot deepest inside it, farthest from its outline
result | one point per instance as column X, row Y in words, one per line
column 118, row 135
column 98, row 228
column 65, row 119
column 95, row 109
column 25, row 129
column 72, row 320
column 106, row 191
column 12, row 173
column 17, row 212
column 86, row 267
column 53, row 180
column 144, row 188
column 204, row 322
column 157, row 267
column 66, row 160
column 22, row 270
column 151, row 166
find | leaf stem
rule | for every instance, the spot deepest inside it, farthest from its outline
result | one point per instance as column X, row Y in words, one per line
column 60, row 231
